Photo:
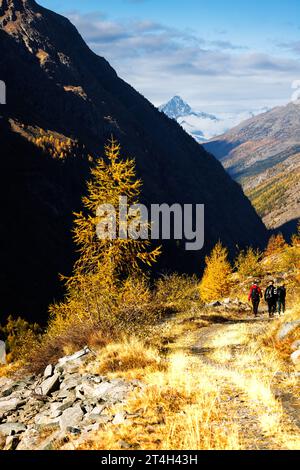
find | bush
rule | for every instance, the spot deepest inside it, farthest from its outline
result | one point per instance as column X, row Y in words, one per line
column 176, row 290
column 20, row 337
column 248, row 264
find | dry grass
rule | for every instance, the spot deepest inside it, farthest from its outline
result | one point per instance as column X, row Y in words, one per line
column 129, row 358
column 178, row 409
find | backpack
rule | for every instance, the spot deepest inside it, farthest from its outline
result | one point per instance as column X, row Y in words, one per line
column 255, row 294
column 269, row 293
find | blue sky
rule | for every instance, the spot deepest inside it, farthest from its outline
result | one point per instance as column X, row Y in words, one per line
column 221, row 56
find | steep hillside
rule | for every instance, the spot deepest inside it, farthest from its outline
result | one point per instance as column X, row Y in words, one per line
column 263, row 155
column 63, row 102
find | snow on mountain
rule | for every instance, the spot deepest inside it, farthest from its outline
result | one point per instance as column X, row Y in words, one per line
column 204, row 126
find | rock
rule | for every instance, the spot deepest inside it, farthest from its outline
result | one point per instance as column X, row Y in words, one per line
column 71, row 417
column 213, row 304
column 296, row 345
column 119, row 418
column 286, row 329
column 74, row 357
column 43, row 420
column 51, row 441
column 11, row 442
column 29, row 440
column 114, row 391
column 71, row 383
column 9, row 388
column 10, row 405
column 50, row 385
column 124, row 445
column 97, row 411
column 48, row 371
column 9, row 429
column 296, row 357
column 61, row 407
column 2, row 353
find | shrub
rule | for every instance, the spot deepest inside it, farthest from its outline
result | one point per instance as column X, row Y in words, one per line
column 20, row 337
column 248, row 264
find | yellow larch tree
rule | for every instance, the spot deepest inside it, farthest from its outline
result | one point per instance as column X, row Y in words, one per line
column 215, row 283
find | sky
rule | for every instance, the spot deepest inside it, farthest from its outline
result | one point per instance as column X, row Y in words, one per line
column 220, row 56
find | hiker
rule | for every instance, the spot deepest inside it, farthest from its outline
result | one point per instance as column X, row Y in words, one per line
column 281, row 297
column 270, row 298
column 255, row 295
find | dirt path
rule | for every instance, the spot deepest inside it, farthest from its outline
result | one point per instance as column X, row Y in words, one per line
column 251, row 389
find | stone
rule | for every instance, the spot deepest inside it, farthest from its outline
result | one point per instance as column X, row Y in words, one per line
column 74, row 357
column 49, row 385
column 213, row 304
column 9, row 429
column 295, row 357
column 113, row 391
column 2, row 353
column 97, row 411
column 70, row 383
column 287, row 328
column 12, row 442
column 61, row 407
column 51, row 441
column 10, row 405
column 296, row 345
column 29, row 440
column 119, row 418
column 71, row 417
column 48, row 371
column 43, row 420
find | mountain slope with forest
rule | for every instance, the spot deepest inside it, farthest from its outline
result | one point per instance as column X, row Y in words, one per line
column 263, row 155
column 63, row 103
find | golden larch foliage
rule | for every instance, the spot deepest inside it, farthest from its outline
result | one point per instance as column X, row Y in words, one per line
column 215, row 283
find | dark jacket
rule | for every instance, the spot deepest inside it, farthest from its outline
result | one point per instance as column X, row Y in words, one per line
column 281, row 294
column 270, row 294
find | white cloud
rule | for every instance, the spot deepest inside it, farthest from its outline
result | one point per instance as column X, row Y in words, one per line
column 161, row 61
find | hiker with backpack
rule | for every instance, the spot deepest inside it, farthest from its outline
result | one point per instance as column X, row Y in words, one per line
column 255, row 295
column 281, row 298
column 271, row 298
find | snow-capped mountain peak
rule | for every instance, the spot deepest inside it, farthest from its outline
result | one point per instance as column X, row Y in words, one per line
column 176, row 108
column 203, row 126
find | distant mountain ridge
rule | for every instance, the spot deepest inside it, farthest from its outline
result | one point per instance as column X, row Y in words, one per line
column 263, row 154
column 200, row 125
column 63, row 103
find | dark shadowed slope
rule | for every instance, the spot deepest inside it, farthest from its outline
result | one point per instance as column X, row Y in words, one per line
column 67, row 100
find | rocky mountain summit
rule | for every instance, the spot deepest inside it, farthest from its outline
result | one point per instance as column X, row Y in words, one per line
column 39, row 412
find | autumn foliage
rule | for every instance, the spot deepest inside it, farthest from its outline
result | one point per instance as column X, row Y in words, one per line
column 215, row 283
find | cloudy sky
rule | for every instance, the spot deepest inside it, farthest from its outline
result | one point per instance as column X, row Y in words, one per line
column 220, row 56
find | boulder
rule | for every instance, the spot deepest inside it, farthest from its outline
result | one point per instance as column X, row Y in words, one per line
column 10, row 405
column 71, row 417
column 2, row 353
column 48, row 371
column 74, row 357
column 287, row 328
column 9, row 429
column 11, row 443
column 29, row 440
column 50, row 385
